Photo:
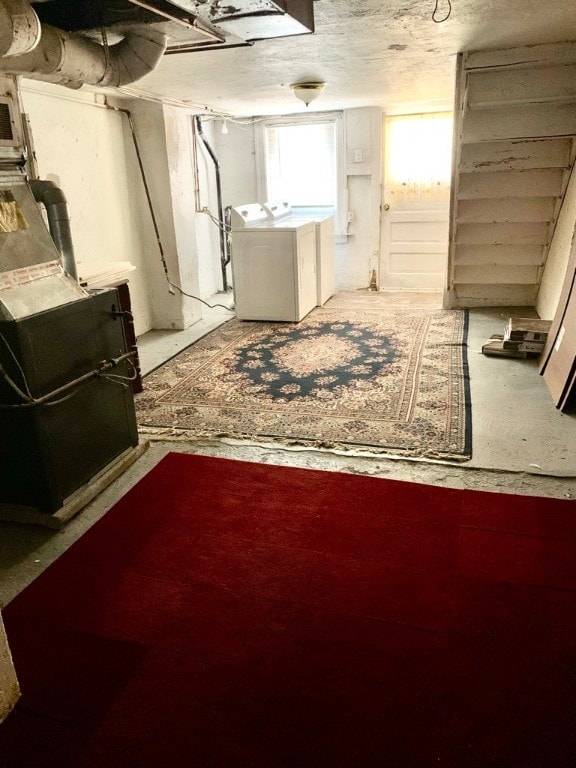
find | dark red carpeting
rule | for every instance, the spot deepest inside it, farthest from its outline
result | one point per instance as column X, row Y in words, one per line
column 234, row 615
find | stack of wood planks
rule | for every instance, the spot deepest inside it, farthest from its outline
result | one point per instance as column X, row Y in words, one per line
column 523, row 337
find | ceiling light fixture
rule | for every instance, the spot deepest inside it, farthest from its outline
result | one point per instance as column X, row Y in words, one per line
column 307, row 92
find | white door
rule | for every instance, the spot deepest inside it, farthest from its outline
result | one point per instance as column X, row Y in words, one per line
column 416, row 200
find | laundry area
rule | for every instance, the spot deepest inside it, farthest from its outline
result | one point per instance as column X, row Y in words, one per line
column 288, row 290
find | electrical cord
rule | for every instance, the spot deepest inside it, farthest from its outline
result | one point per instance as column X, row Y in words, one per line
column 62, row 399
column 197, row 298
column 30, row 401
column 435, row 12
column 17, row 362
column 215, row 220
column 15, row 387
column 133, row 377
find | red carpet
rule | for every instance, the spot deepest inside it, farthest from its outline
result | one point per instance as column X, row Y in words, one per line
column 234, row 615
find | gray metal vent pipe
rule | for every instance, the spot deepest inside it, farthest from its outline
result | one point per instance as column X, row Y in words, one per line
column 54, row 200
column 73, row 60
column 19, row 27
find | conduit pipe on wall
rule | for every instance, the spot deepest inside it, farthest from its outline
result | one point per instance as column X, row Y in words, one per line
column 224, row 255
column 72, row 60
column 128, row 114
column 19, row 28
column 54, row 200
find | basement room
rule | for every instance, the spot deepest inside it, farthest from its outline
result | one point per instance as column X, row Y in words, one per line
column 287, row 384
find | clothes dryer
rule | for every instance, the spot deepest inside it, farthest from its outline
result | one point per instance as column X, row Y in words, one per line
column 273, row 265
column 325, row 262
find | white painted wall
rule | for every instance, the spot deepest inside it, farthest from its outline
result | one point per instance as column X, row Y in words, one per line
column 183, row 260
column 356, row 259
column 81, row 147
column 558, row 254
column 88, row 150
column 164, row 141
column 237, row 156
column 9, row 690
column 353, row 257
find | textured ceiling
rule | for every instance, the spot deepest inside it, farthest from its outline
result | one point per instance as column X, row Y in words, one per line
column 369, row 52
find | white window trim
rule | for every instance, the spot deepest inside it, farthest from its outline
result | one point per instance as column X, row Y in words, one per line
column 341, row 217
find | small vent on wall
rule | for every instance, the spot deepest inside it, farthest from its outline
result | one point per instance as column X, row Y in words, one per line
column 6, row 131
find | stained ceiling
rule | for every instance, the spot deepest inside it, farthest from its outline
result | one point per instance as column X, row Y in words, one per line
column 369, row 52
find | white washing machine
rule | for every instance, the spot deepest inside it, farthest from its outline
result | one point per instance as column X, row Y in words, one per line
column 325, row 263
column 273, row 265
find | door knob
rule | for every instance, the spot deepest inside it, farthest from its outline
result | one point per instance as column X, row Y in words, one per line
column 385, row 207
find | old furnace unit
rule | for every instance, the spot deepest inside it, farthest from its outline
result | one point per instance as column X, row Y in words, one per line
column 66, row 407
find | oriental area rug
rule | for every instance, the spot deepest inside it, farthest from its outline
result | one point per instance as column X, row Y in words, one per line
column 226, row 614
column 388, row 380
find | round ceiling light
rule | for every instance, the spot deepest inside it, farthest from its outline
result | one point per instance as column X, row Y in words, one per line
column 307, row 92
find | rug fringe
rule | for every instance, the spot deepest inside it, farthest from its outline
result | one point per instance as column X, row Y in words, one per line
column 192, row 436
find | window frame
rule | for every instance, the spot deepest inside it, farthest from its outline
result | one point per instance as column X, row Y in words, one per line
column 341, row 208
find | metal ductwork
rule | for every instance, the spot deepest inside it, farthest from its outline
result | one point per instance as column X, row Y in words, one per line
column 191, row 25
column 54, row 200
column 72, row 60
column 19, row 28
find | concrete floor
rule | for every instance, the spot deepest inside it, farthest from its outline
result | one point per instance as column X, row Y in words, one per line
column 515, row 424
column 521, row 444
column 156, row 347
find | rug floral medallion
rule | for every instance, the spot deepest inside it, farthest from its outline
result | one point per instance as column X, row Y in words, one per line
column 389, row 380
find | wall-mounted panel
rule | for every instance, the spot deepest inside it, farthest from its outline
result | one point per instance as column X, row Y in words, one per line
column 424, row 263
column 430, row 231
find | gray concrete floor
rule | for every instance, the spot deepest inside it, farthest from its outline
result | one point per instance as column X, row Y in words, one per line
column 155, row 347
column 521, row 444
column 515, row 424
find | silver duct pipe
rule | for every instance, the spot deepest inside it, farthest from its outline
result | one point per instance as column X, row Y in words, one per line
column 72, row 60
column 54, row 200
column 19, row 28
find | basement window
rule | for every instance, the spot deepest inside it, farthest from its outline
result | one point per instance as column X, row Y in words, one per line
column 419, row 157
column 301, row 162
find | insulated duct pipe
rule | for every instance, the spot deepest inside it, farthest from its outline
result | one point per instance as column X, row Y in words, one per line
column 54, row 200
column 224, row 257
column 73, row 60
column 19, row 28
